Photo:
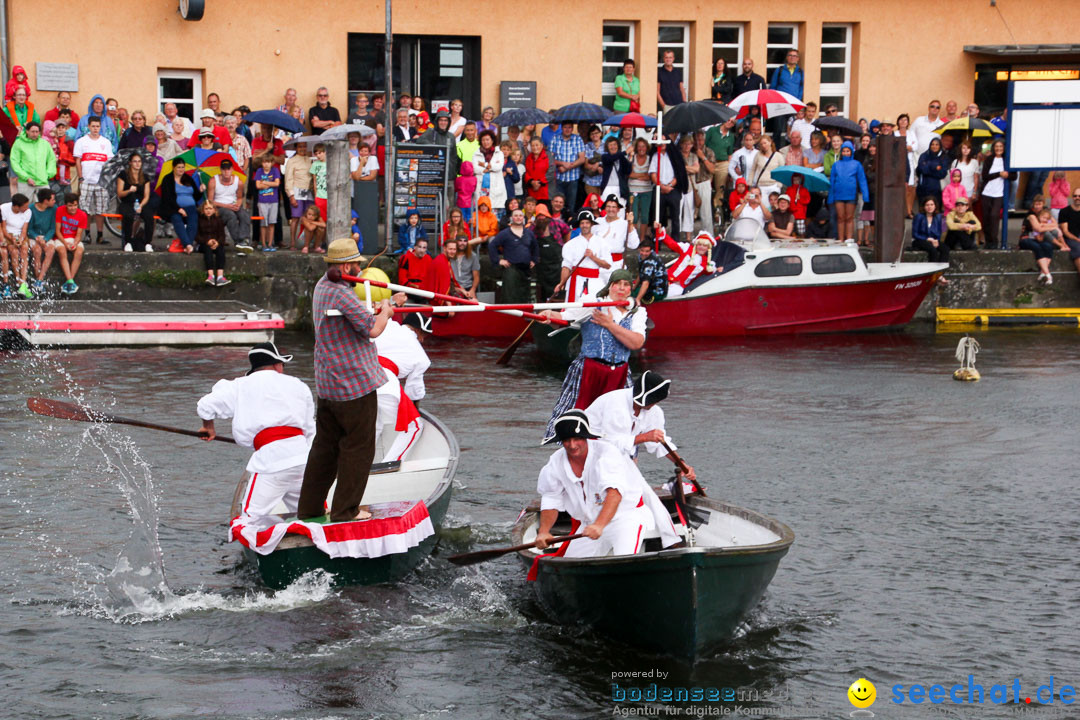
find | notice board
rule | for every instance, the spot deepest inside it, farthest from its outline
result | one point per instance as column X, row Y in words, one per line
column 419, row 183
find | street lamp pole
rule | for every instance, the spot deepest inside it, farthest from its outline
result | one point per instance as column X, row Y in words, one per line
column 389, row 107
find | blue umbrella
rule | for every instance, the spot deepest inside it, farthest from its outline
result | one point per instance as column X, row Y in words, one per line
column 522, row 117
column 275, row 118
column 812, row 179
column 581, row 112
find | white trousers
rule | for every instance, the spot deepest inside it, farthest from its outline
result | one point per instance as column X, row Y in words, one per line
column 622, row 536
column 402, row 441
column 661, row 517
column 675, row 290
column 265, row 490
column 705, row 212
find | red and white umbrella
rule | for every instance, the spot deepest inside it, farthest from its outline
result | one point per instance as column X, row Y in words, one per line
column 773, row 103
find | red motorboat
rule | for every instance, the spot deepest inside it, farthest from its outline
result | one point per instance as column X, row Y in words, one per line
column 795, row 287
column 492, row 325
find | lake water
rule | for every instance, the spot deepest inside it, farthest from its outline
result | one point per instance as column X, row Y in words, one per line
column 935, row 521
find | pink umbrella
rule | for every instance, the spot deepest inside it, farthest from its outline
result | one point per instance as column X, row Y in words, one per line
column 773, row 103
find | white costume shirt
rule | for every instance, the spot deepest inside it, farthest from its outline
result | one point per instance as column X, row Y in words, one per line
column 581, row 288
column 612, row 416
column 620, row 237
column 605, row 468
column 638, row 323
column 258, row 401
column 400, row 345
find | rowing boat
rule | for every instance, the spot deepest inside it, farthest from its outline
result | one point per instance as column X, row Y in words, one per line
column 685, row 602
column 402, row 496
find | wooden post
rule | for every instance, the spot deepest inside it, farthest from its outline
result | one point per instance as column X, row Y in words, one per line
column 338, row 183
column 889, row 198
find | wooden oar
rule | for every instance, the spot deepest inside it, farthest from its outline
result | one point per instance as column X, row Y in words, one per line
column 484, row 555
column 681, row 465
column 69, row 411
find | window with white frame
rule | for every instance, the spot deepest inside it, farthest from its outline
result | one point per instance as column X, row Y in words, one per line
column 727, row 43
column 781, row 38
column 675, row 36
column 836, row 66
column 618, row 46
column 182, row 87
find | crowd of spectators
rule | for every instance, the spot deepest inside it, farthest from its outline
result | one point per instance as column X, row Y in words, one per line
column 956, row 184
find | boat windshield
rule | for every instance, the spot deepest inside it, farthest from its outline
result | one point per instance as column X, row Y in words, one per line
column 748, row 233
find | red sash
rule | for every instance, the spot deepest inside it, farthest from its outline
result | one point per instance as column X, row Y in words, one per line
column 571, row 291
column 617, row 257
column 406, row 410
column 272, row 434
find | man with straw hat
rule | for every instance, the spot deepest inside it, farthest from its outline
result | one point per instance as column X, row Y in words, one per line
column 347, row 374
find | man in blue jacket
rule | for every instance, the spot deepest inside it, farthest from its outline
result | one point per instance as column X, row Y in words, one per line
column 786, row 78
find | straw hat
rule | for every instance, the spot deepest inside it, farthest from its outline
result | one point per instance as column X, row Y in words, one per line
column 343, row 250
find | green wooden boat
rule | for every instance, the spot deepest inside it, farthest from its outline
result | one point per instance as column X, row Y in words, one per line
column 556, row 344
column 684, row 602
column 426, row 474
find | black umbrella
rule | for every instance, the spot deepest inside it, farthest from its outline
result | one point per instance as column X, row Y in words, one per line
column 118, row 163
column 522, row 117
column 840, row 124
column 275, row 118
column 581, row 112
column 691, row 116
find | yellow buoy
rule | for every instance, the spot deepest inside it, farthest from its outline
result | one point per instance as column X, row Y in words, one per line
column 377, row 293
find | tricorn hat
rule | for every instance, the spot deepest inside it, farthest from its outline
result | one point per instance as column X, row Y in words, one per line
column 650, row 388
column 572, row 424
column 265, row 354
column 418, row 320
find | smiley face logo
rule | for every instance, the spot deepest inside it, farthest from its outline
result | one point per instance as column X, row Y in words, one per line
column 862, row 693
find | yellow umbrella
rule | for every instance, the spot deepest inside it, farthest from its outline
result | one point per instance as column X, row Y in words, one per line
column 973, row 126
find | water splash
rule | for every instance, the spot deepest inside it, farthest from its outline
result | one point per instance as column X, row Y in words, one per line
column 146, row 606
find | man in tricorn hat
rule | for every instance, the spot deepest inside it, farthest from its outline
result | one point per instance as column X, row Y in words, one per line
column 347, row 373
column 272, row 413
column 592, row 481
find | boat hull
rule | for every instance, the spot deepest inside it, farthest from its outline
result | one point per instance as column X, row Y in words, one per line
column 295, row 556
column 282, row 567
column 787, row 309
column 685, row 603
column 561, row 347
column 491, row 325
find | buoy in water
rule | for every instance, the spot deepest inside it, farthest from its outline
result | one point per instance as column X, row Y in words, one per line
column 378, row 294
column 966, row 350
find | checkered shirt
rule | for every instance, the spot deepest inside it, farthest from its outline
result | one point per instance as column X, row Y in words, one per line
column 565, row 150
column 346, row 360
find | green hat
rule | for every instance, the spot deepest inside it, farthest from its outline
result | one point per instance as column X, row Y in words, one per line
column 620, row 274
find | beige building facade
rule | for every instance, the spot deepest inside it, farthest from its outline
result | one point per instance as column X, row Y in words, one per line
column 874, row 59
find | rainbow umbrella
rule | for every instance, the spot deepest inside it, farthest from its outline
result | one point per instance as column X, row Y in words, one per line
column 206, row 162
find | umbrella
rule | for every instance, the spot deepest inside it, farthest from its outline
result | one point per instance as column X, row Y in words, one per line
column 690, row 116
column 275, row 118
column 207, row 162
column 522, row 117
column 975, row 126
column 303, row 140
column 631, row 120
column 342, row 132
column 773, row 103
column 581, row 112
column 840, row 124
column 118, row 163
column 813, row 180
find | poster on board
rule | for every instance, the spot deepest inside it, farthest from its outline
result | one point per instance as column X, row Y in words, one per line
column 418, row 182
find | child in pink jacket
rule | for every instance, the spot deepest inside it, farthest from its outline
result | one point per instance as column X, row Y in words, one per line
column 955, row 189
column 465, row 186
column 1059, row 192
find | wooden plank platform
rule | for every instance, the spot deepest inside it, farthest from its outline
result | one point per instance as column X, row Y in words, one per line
column 81, row 323
column 1009, row 317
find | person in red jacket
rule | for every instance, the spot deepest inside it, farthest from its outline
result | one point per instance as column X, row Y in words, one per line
column 414, row 265
column 800, row 199
column 18, row 80
column 735, row 196
column 536, row 172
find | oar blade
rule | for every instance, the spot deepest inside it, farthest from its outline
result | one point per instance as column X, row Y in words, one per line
column 478, row 557
column 508, row 353
column 61, row 410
